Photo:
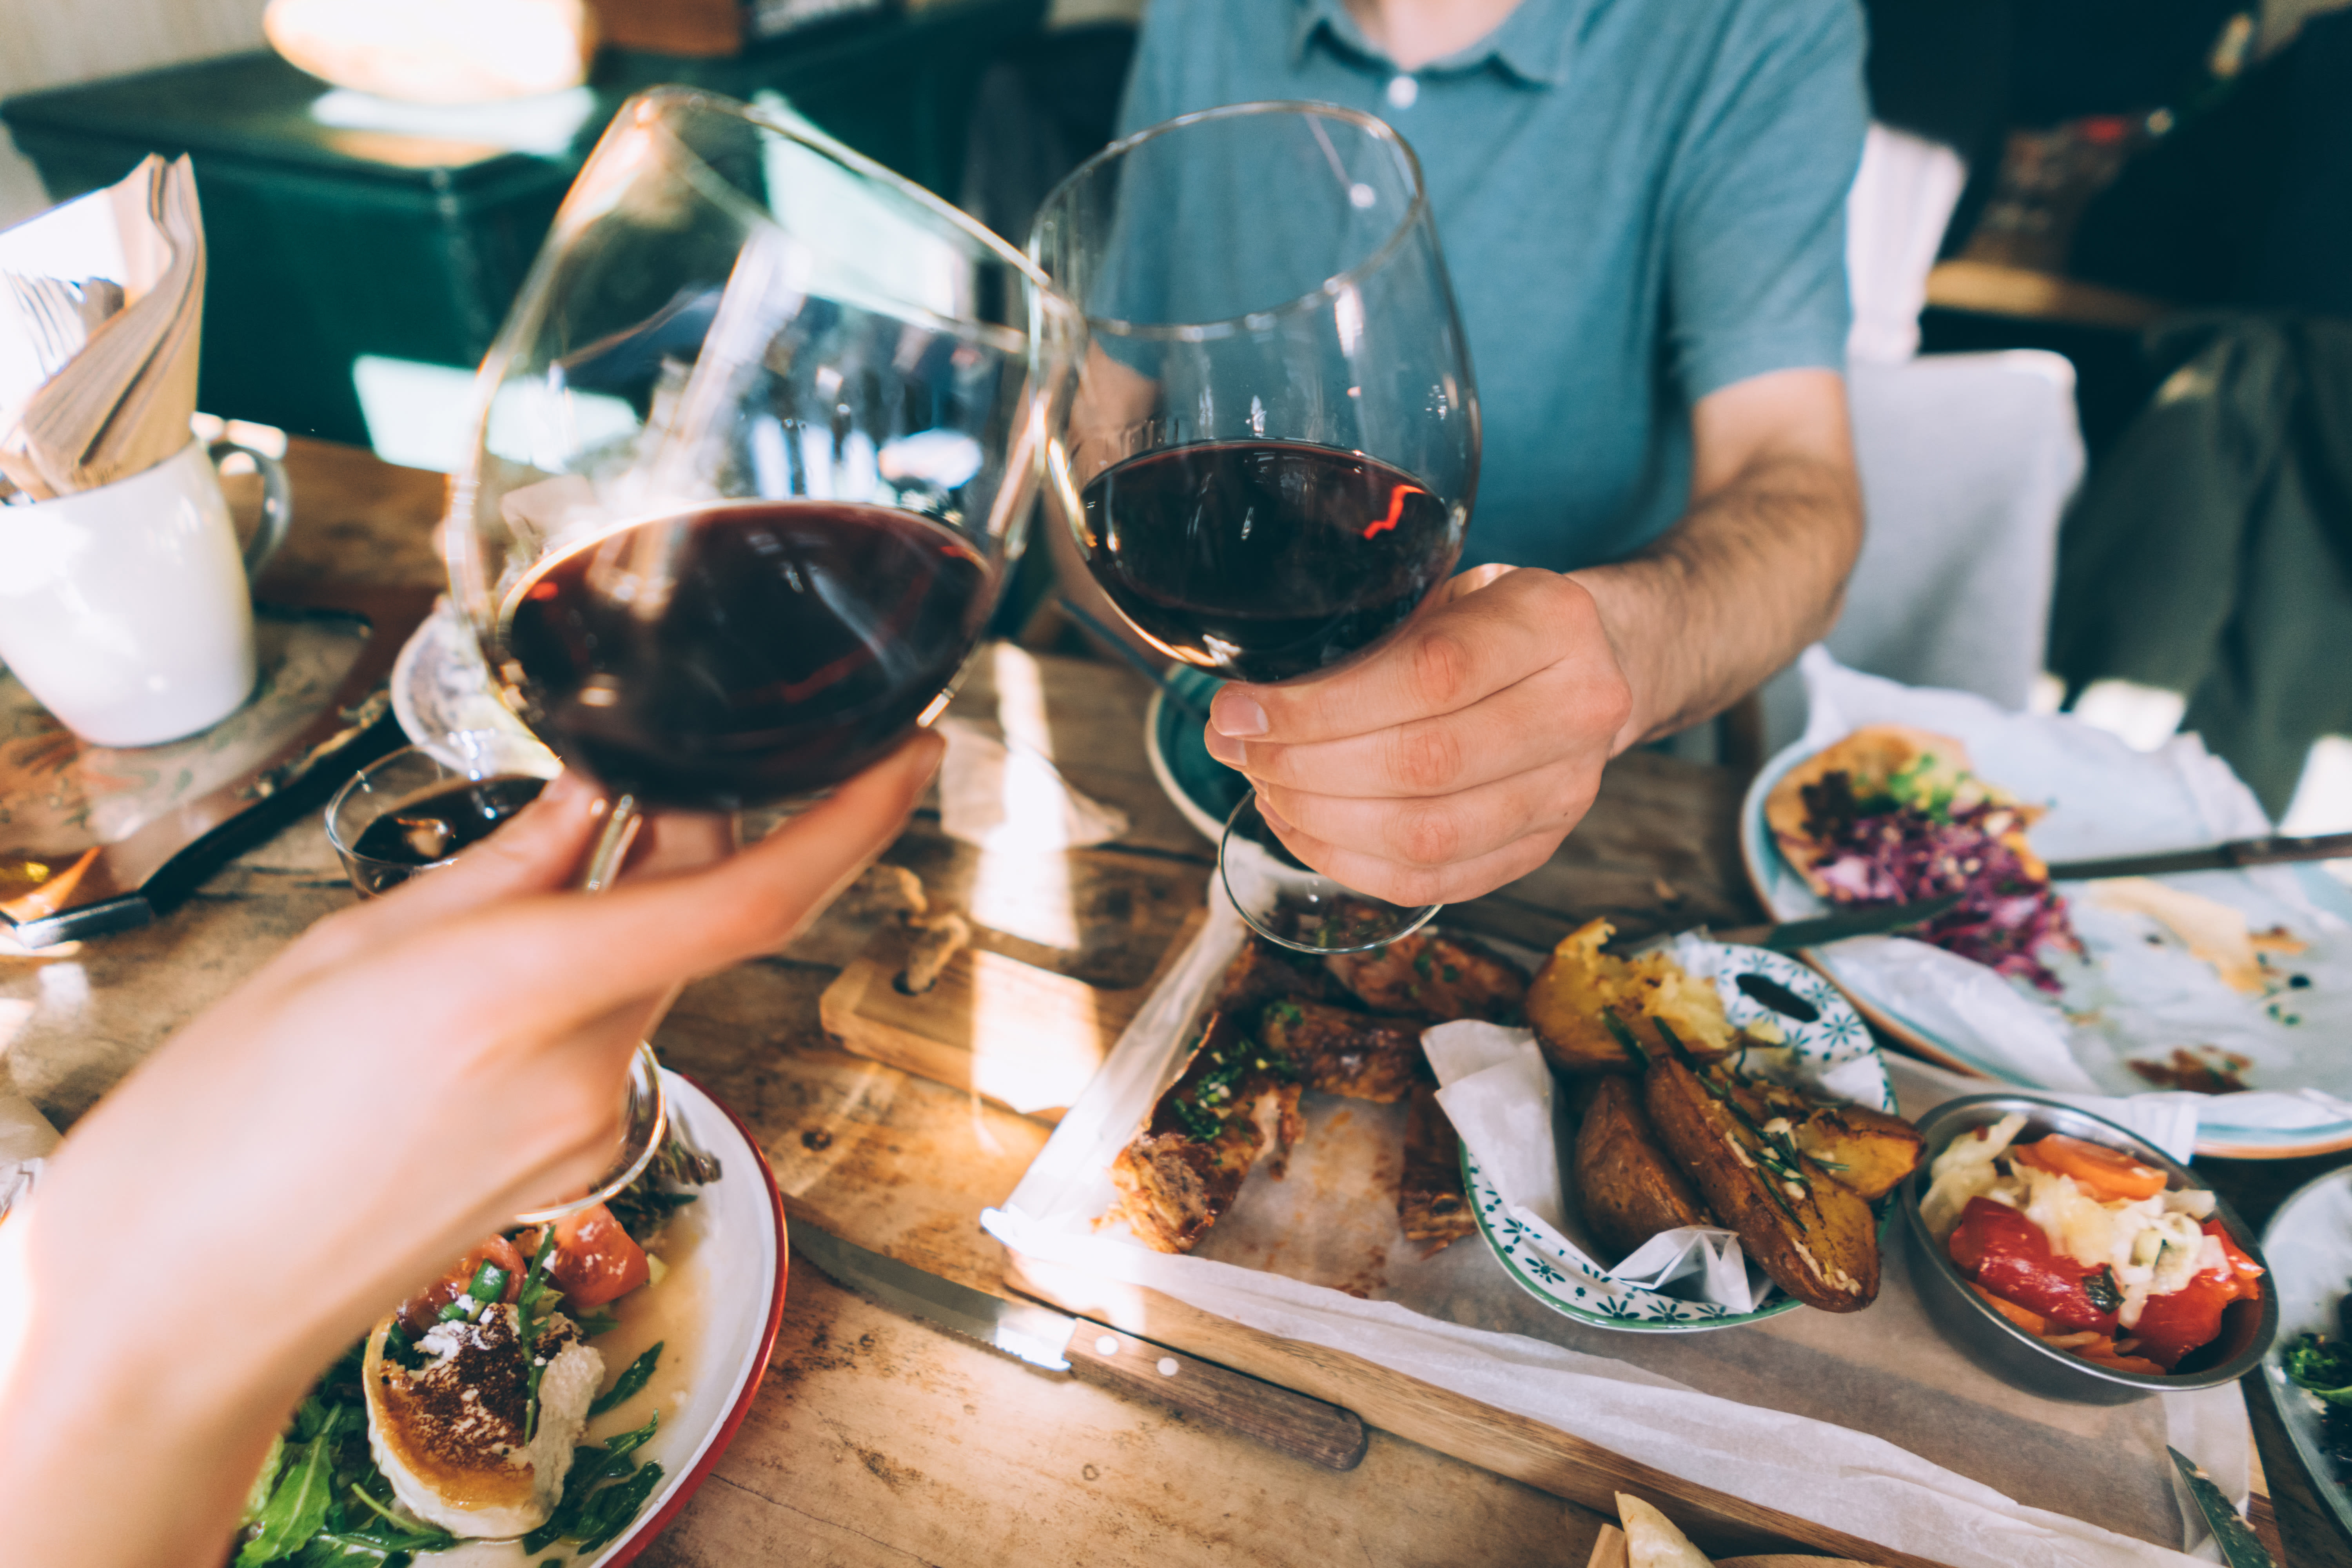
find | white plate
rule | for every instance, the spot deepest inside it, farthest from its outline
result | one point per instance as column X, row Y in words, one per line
column 1835, row 1038
column 2308, row 1244
column 2097, row 799
column 732, row 1267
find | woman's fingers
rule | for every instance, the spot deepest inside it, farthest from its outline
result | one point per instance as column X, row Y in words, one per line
column 536, row 852
column 642, row 938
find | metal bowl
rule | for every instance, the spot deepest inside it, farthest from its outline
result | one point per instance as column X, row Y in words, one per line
column 2017, row 1357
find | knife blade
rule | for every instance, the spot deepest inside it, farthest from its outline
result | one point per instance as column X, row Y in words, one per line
column 1790, row 935
column 1313, row 1430
column 2233, row 856
column 2241, row 1547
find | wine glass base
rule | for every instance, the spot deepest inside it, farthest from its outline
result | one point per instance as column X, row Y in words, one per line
column 644, row 1125
column 1294, row 906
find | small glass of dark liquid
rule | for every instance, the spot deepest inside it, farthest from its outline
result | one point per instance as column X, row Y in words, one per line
column 411, row 813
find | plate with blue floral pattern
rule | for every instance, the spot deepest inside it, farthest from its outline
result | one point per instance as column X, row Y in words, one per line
column 1822, row 1047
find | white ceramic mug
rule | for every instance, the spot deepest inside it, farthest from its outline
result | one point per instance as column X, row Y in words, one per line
column 127, row 610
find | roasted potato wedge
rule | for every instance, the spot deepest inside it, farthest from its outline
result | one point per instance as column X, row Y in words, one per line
column 1578, row 983
column 1867, row 1150
column 1811, row 1233
column 1627, row 1186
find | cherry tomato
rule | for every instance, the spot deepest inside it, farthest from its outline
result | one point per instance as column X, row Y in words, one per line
column 594, row 1261
column 421, row 1310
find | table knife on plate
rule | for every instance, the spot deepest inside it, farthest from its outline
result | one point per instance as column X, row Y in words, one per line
column 1325, row 1433
column 2231, row 857
column 1878, row 920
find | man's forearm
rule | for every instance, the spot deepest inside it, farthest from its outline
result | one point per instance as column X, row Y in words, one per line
column 1731, row 593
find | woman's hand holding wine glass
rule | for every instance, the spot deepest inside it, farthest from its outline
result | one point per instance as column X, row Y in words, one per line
column 1454, row 760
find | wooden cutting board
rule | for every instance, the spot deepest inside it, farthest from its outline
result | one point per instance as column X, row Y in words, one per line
column 1016, row 1034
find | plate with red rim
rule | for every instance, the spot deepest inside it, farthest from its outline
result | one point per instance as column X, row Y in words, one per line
column 729, row 1278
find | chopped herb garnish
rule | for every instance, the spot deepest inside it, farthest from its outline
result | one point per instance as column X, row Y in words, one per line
column 2101, row 1288
column 1625, row 1036
column 1422, row 963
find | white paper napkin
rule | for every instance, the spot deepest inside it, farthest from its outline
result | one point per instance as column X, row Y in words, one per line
column 1013, row 797
column 1496, row 1089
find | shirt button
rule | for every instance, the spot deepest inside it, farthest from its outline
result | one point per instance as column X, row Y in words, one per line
column 1402, row 91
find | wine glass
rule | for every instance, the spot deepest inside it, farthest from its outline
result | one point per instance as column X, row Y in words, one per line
column 411, row 813
column 1273, row 450
column 751, row 459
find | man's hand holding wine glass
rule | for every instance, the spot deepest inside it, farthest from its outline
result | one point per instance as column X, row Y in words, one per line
column 1455, row 759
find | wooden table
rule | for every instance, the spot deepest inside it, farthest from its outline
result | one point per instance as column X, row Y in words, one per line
column 877, row 1439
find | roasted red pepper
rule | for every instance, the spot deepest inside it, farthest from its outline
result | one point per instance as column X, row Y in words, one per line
column 2006, row 1253
column 2172, row 1325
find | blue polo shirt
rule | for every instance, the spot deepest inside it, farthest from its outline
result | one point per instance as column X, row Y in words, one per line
column 1640, row 201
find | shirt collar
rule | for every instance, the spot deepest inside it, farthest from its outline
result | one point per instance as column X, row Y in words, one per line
column 1534, row 43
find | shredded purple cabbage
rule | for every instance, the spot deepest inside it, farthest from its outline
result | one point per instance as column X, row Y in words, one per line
column 1885, row 851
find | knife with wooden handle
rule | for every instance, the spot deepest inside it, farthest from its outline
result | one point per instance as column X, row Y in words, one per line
column 1323, row 1434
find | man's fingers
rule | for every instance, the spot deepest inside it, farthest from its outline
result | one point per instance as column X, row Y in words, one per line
column 1454, row 656
column 1447, row 829
column 1412, row 886
column 1522, row 727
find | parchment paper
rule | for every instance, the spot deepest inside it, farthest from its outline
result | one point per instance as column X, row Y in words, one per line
column 1868, row 1422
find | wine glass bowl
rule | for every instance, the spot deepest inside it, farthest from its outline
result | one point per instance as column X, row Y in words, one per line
column 752, row 459
column 1272, row 453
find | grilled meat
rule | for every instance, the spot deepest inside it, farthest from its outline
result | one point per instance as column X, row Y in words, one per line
column 1340, row 1051
column 1431, row 1203
column 1234, row 1104
column 1433, row 977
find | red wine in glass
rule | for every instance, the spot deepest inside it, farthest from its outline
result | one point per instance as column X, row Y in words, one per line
column 1264, row 561
column 782, row 646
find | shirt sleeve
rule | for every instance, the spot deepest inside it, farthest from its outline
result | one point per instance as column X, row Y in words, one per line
column 1756, row 262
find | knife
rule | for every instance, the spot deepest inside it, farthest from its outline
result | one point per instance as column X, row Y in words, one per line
column 2241, row 1547
column 1325, row 1433
column 1790, row 935
column 2233, row 856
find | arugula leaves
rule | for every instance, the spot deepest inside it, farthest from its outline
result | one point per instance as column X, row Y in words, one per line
column 298, row 1503
column 2324, row 1368
column 633, row 1378
column 589, row 1512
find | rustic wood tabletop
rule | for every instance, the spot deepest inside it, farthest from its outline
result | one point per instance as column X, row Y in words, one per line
column 877, row 1439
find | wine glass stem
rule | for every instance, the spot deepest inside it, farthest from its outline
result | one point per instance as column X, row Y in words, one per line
column 612, row 845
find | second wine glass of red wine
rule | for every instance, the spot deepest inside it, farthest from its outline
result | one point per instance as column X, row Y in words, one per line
column 1273, row 451
column 752, row 458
